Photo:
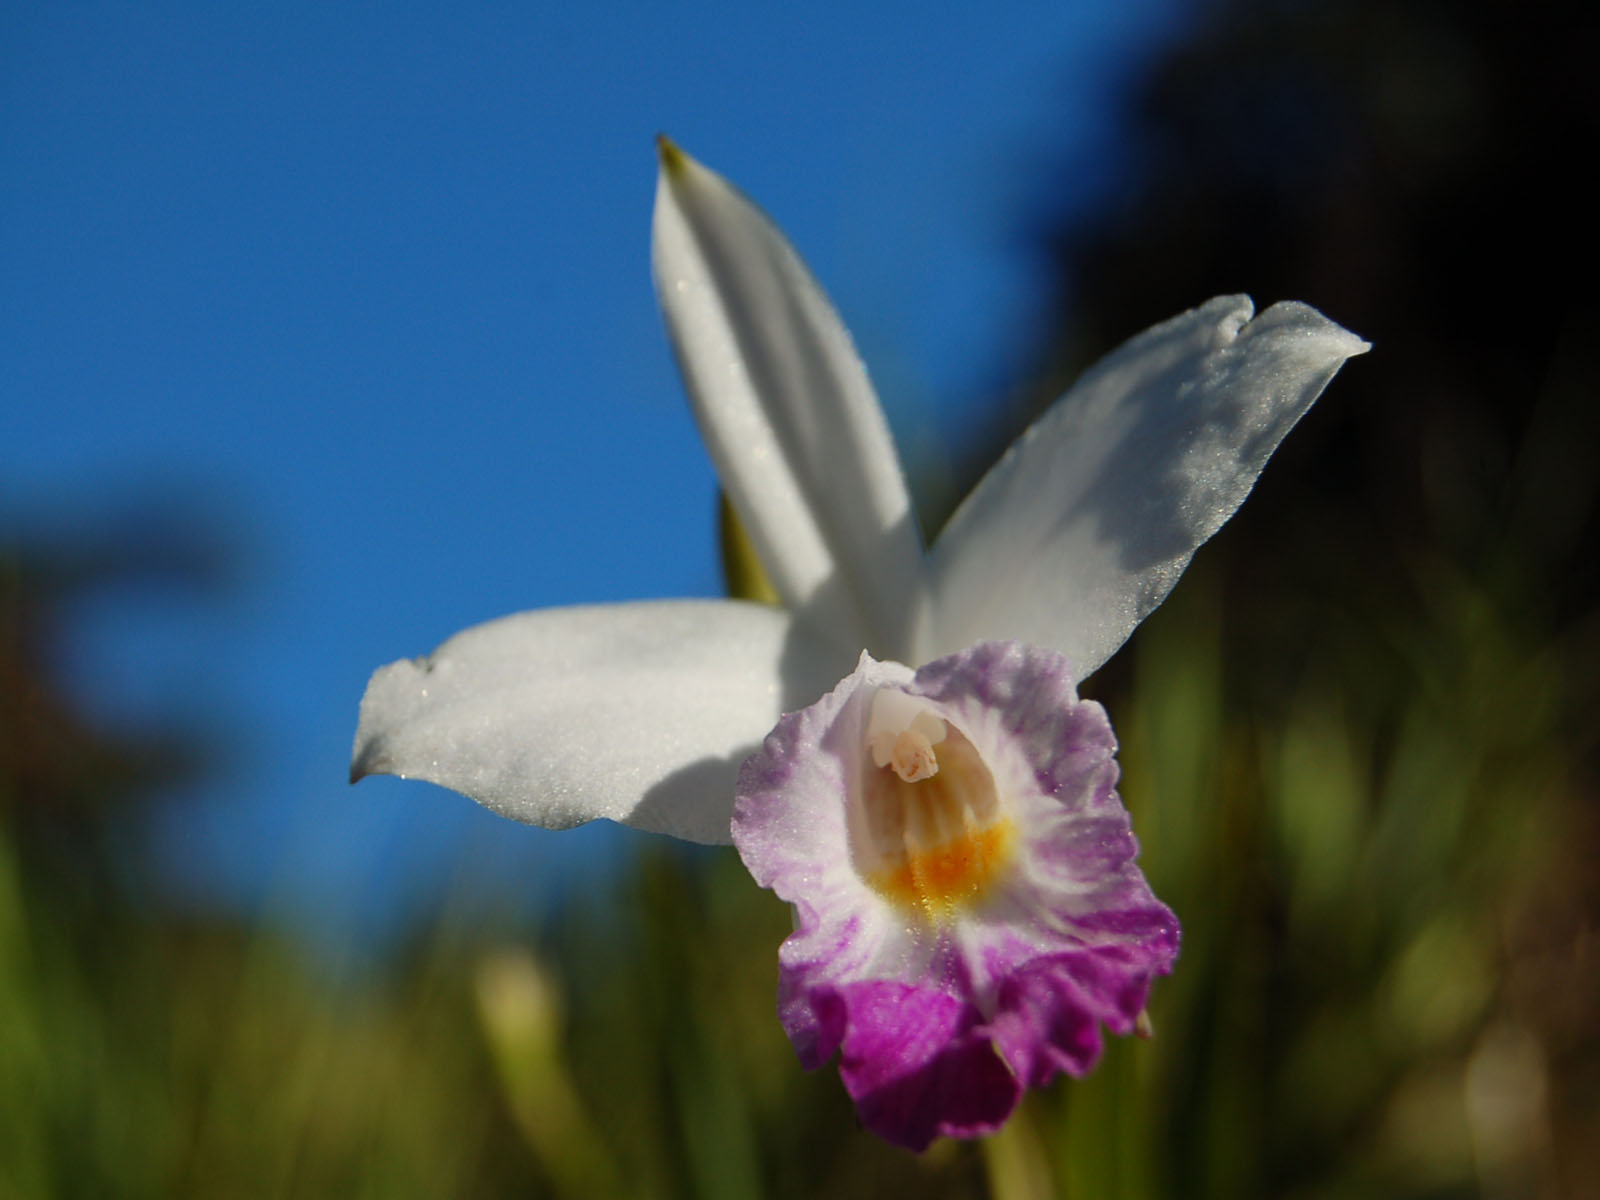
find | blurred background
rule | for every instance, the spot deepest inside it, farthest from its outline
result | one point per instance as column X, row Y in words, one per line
column 326, row 333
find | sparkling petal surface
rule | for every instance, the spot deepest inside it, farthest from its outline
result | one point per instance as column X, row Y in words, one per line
column 940, row 1023
column 639, row 713
column 787, row 412
column 1087, row 522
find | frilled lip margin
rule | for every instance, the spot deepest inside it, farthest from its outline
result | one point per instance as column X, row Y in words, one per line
column 941, row 1024
column 922, row 1063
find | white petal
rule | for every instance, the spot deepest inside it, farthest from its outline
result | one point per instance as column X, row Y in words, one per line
column 786, row 409
column 640, row 713
column 1087, row 522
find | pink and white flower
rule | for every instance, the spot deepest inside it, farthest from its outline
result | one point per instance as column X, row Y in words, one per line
column 968, row 908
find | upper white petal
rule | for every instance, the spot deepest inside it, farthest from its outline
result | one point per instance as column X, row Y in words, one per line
column 786, row 409
column 1087, row 522
column 640, row 713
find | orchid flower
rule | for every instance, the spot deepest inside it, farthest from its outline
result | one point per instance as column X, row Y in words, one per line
column 968, row 907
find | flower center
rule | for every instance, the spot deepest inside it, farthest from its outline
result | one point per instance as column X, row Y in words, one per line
column 930, row 833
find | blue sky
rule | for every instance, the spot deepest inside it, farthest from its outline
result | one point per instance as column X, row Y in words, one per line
column 367, row 287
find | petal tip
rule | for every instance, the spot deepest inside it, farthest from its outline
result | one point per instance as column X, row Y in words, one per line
column 1330, row 339
column 393, row 695
column 674, row 162
column 368, row 756
column 363, row 763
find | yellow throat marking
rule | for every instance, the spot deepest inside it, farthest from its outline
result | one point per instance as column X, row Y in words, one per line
column 935, row 836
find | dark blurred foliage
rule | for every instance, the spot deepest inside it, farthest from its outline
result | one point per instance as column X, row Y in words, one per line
column 60, row 772
column 70, row 789
column 1417, row 171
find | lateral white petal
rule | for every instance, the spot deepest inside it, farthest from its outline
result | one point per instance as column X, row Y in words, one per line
column 786, row 409
column 1087, row 522
column 640, row 713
